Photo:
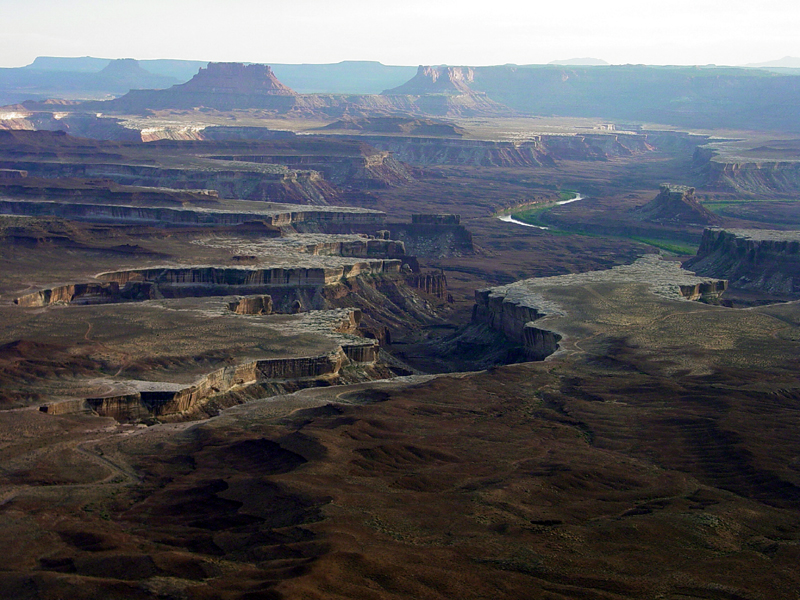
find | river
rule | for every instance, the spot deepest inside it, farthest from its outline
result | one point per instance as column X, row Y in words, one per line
column 510, row 219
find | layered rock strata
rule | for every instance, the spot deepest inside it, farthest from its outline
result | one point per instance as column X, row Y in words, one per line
column 433, row 236
column 173, row 278
column 676, row 204
column 353, row 359
column 257, row 305
column 540, row 150
column 519, row 310
column 772, row 168
column 280, row 216
column 751, row 259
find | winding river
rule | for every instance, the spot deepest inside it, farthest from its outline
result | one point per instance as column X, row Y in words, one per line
column 509, row 219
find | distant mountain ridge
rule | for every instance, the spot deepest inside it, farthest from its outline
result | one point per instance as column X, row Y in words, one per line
column 787, row 62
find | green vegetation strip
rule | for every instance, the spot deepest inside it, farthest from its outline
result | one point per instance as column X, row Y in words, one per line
column 531, row 214
column 666, row 245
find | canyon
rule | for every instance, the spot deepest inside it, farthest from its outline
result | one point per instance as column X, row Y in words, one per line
column 257, row 342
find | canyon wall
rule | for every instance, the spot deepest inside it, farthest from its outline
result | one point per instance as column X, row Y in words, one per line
column 542, row 150
column 515, row 320
column 277, row 183
column 757, row 178
column 432, row 239
column 151, row 215
column 751, row 259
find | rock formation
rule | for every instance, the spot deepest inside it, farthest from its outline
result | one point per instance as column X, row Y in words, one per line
column 676, row 204
column 256, row 305
column 771, row 168
column 404, row 125
column 273, row 219
column 751, row 259
column 433, row 236
column 437, row 80
column 235, row 78
column 519, row 310
column 541, row 150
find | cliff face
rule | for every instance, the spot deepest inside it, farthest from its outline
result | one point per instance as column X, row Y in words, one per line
column 157, row 216
column 369, row 169
column 232, row 385
column 515, row 321
column 437, row 80
column 236, row 78
column 751, row 259
column 433, row 240
column 676, row 204
column 258, row 305
column 514, row 309
column 542, row 151
column 277, row 183
column 172, row 282
column 759, row 178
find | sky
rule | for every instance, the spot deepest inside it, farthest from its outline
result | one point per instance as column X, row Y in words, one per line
column 408, row 32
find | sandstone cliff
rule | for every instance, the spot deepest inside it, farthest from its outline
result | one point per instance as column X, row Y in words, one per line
column 676, row 204
column 519, row 310
column 427, row 236
column 751, row 259
column 543, row 150
column 301, row 217
column 235, row 78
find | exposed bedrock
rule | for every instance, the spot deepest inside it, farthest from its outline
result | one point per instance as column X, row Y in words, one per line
column 172, row 279
column 277, row 183
column 255, row 305
column 232, row 385
column 751, row 259
column 90, row 293
column 434, row 284
column 514, row 309
column 676, row 204
column 370, row 169
column 515, row 321
column 151, row 215
column 757, row 177
column 433, row 239
column 354, row 359
column 542, row 150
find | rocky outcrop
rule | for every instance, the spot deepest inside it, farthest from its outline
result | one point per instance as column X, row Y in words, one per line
column 404, row 125
column 437, row 80
column 758, row 178
column 275, row 183
column 256, row 305
column 230, row 86
column 542, row 150
column 90, row 293
column 230, row 385
column 235, row 78
column 12, row 174
column 514, row 320
column 434, row 284
column 90, row 191
column 283, row 216
column 367, row 169
column 433, row 236
column 751, row 259
column 518, row 309
column 170, row 280
column 676, row 204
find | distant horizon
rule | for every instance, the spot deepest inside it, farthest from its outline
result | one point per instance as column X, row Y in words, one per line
column 662, row 33
column 556, row 62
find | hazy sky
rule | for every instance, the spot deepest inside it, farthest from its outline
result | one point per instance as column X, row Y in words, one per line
column 408, row 32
